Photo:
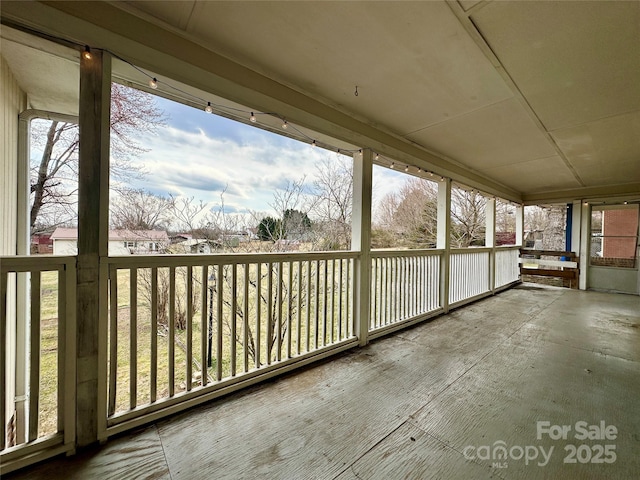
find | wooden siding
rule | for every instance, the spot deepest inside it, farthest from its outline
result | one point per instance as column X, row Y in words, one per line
column 12, row 103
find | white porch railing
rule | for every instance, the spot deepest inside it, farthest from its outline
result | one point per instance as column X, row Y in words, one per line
column 183, row 327
column 37, row 360
column 468, row 273
column 507, row 269
column 405, row 285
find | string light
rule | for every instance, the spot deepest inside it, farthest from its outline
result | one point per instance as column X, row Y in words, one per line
column 153, row 83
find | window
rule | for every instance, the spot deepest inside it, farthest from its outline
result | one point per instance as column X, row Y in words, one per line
column 614, row 236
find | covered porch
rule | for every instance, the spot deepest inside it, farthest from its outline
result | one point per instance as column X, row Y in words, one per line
column 408, row 405
column 357, row 361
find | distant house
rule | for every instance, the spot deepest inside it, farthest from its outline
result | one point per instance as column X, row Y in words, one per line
column 121, row 242
column 41, row 243
column 196, row 245
column 180, row 237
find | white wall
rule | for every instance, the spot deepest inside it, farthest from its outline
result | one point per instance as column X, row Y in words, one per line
column 12, row 102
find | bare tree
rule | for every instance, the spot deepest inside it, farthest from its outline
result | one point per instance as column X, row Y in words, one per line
column 411, row 213
column 136, row 209
column 54, row 173
column 468, row 225
column 333, row 191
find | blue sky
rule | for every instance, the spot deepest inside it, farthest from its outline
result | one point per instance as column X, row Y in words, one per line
column 201, row 155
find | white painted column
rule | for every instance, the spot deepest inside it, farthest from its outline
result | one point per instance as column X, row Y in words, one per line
column 520, row 225
column 93, row 235
column 361, row 241
column 444, row 238
column 576, row 239
column 585, row 245
column 490, row 239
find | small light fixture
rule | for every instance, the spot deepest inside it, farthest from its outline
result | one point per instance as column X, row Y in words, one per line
column 285, row 124
column 406, row 168
column 153, row 83
column 314, row 144
column 87, row 53
column 252, row 118
column 393, row 165
column 377, row 156
column 208, row 108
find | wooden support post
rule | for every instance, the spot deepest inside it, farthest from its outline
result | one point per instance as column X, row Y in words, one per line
column 444, row 238
column 361, row 241
column 490, row 239
column 93, row 235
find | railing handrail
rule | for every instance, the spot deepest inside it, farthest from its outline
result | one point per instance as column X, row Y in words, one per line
column 548, row 253
column 508, row 247
column 35, row 263
column 471, row 250
column 423, row 252
column 145, row 261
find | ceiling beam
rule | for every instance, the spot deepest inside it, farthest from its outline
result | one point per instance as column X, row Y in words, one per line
column 474, row 32
column 629, row 191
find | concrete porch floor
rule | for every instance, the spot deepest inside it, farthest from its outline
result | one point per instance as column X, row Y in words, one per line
column 412, row 404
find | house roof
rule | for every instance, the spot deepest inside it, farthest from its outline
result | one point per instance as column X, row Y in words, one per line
column 61, row 233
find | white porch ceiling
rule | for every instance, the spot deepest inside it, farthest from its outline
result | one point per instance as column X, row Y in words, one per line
column 540, row 97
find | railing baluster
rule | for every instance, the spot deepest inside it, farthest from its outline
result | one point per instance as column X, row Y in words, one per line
column 269, row 312
column 332, row 301
column 234, row 317
column 324, row 302
column 172, row 331
column 258, row 312
column 245, row 318
column 219, row 300
column 289, row 307
column 204, row 332
column 317, row 307
column 189, row 360
column 340, row 286
column 133, row 338
column 61, row 345
column 308, row 308
column 153, row 381
column 299, row 309
column 34, row 371
column 279, row 302
column 113, row 339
